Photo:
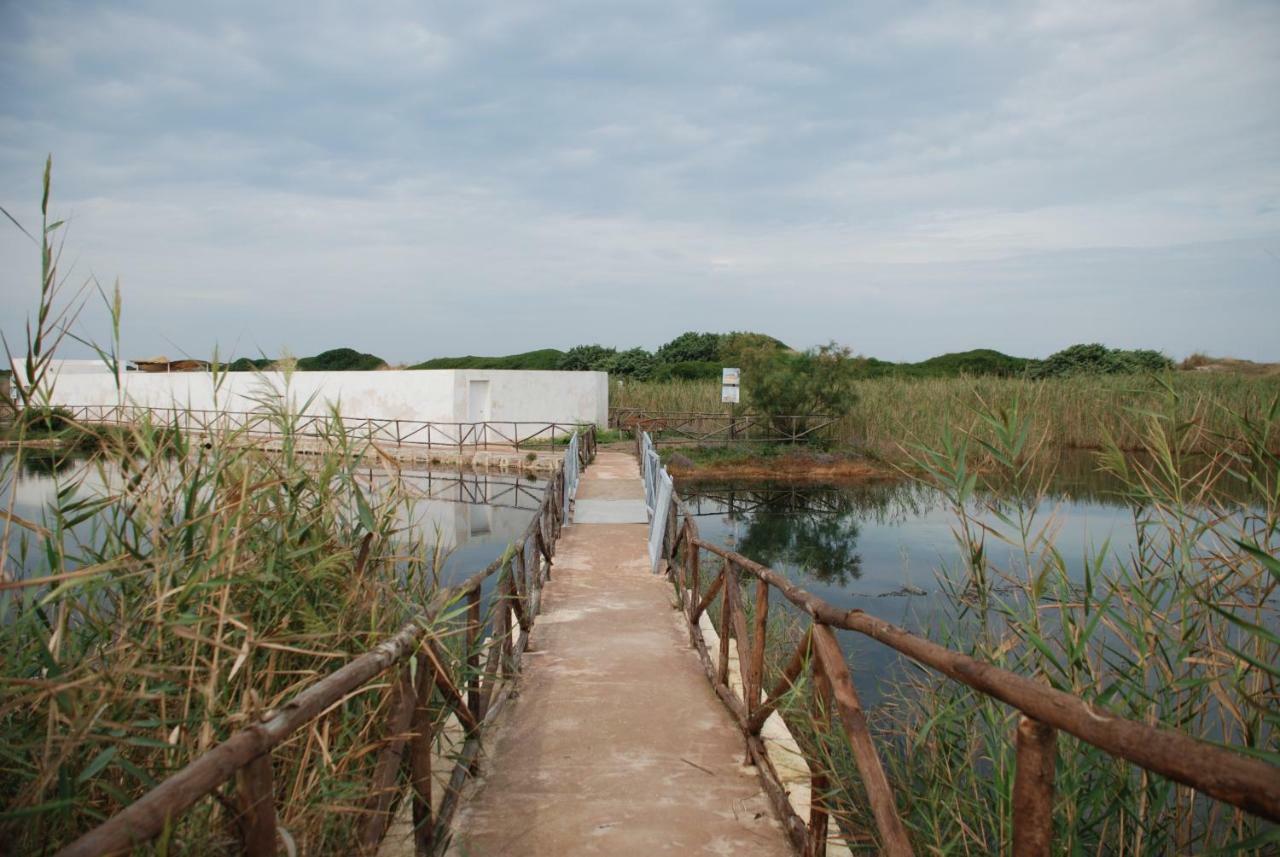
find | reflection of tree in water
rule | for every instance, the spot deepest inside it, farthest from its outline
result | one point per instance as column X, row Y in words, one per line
column 39, row 461
column 823, row 545
column 882, row 502
column 810, row 529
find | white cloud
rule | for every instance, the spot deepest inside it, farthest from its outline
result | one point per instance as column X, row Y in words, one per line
column 422, row 181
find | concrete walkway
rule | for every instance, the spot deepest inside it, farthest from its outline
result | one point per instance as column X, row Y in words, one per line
column 615, row 743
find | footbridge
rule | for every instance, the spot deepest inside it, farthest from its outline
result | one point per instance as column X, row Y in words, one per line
column 614, row 685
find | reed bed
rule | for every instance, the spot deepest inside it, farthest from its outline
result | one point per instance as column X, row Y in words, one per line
column 171, row 591
column 1083, row 412
column 1183, row 632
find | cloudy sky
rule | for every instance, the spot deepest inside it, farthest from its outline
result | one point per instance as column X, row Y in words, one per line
column 419, row 179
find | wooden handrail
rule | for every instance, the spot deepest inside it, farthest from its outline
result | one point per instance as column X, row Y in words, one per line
column 246, row 754
column 1247, row 783
column 1250, row 784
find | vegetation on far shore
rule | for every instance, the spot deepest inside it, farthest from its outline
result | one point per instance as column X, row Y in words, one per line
column 699, row 355
column 1180, row 632
column 1085, row 412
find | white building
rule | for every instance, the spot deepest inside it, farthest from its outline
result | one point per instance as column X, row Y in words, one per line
column 425, row 395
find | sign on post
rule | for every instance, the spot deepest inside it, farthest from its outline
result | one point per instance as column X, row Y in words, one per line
column 729, row 386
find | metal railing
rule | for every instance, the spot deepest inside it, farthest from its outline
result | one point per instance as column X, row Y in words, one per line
column 457, row 682
column 708, row 427
column 459, row 436
column 1243, row 782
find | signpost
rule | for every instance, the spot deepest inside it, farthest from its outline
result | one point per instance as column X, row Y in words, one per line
column 729, row 378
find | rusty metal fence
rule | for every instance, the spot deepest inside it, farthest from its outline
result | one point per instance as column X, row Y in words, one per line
column 1233, row 778
column 470, row 682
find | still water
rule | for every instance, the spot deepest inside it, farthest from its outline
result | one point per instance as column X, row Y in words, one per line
column 885, row 548
column 472, row 516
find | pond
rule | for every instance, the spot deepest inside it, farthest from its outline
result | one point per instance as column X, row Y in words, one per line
column 471, row 516
column 888, row 548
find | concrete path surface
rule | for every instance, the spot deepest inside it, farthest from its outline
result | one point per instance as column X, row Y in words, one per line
column 615, row 744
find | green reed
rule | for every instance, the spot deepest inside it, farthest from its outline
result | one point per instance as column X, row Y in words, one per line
column 1086, row 412
column 172, row 589
column 1182, row 632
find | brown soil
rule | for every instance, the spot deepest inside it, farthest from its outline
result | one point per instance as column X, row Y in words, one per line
column 789, row 468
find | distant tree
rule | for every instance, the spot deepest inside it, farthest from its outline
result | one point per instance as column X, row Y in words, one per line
column 739, row 341
column 794, row 384
column 340, row 359
column 690, row 346
column 1097, row 359
column 249, row 364
column 634, row 363
column 687, row 370
column 589, row 358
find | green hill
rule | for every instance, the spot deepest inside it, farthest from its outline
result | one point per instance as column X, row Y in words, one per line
column 333, row 360
column 543, row 358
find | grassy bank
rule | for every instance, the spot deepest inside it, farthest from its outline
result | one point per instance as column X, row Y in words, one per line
column 1082, row 412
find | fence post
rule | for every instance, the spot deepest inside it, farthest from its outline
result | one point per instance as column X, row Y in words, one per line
column 728, row 593
column 815, row 843
column 1037, row 747
column 420, row 759
column 255, row 793
column 756, row 683
column 473, row 652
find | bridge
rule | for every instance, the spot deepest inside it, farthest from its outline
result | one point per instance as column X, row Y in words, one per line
column 601, row 688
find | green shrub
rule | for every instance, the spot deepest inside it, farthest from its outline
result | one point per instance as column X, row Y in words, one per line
column 691, row 347
column 787, row 386
column 41, row 421
column 635, row 363
column 589, row 358
column 689, row 370
column 250, row 364
column 543, row 359
column 1097, row 359
column 340, row 359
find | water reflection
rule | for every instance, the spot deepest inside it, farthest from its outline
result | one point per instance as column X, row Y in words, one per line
column 858, row 545
column 472, row 517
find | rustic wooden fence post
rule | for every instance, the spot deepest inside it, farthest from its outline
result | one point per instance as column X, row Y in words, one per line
column 255, row 796
column 383, row 790
column 1037, row 748
column 472, row 643
column 727, row 597
column 423, row 727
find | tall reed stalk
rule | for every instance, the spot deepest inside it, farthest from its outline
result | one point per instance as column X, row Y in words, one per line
column 171, row 590
column 1087, row 412
column 1184, row 632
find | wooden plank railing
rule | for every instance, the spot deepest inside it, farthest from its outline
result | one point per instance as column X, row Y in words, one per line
column 1247, row 783
column 457, row 436
column 458, row 682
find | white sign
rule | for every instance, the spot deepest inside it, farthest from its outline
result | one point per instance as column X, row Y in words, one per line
column 729, row 394
column 729, row 377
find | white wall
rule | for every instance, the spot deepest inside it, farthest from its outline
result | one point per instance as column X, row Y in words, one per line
column 433, row 395
column 528, row 396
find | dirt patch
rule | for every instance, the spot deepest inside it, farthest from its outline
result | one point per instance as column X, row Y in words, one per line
column 787, row 468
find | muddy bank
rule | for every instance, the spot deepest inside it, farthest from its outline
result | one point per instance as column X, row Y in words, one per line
column 794, row 467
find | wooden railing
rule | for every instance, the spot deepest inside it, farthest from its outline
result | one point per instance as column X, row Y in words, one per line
column 1247, row 783
column 470, row 691
column 428, row 435
column 709, row 427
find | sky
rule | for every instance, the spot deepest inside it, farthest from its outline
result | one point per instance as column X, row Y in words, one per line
column 424, row 179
